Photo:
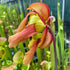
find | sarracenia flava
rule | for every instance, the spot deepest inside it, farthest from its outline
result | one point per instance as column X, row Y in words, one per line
column 36, row 27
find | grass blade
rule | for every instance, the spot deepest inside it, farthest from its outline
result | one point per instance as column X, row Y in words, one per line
column 61, row 34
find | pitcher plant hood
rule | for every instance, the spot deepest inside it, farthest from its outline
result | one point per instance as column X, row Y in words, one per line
column 35, row 27
column 41, row 8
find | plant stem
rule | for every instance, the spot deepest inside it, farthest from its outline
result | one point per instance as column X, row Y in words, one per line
column 39, row 55
column 54, row 43
column 52, row 48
